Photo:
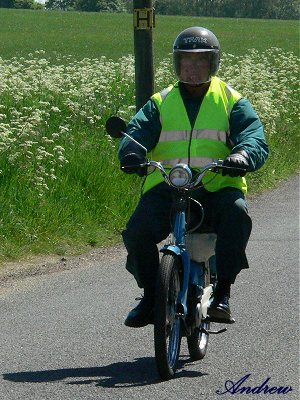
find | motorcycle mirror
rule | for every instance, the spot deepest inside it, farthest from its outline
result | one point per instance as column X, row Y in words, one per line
column 115, row 126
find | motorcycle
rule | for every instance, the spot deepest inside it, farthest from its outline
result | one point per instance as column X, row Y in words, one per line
column 187, row 275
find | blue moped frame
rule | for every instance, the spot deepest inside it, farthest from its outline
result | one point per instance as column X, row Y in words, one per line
column 191, row 271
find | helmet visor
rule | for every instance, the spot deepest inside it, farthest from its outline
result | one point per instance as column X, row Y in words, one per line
column 193, row 67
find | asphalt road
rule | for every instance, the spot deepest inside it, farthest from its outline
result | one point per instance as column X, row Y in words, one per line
column 62, row 334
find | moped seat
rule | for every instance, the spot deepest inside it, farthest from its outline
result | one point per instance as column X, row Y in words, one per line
column 201, row 246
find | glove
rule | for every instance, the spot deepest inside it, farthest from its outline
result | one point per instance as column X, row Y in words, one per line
column 240, row 159
column 130, row 164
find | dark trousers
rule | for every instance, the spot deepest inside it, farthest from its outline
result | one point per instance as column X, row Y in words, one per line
column 225, row 211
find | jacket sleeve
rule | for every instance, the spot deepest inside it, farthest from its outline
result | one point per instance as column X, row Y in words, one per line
column 247, row 133
column 145, row 127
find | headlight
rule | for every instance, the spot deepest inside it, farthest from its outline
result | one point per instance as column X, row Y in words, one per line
column 180, row 175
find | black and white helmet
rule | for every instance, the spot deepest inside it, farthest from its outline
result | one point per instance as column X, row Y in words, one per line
column 197, row 40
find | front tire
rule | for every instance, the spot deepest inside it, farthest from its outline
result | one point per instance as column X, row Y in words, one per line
column 167, row 325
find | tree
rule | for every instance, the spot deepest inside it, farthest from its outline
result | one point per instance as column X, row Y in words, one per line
column 24, row 4
column 128, row 5
column 59, row 4
column 7, row 3
column 180, row 7
column 86, row 5
column 288, row 9
column 111, row 5
column 100, row 5
column 281, row 9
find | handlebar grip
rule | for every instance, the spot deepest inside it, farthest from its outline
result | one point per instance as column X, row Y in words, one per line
column 217, row 169
column 128, row 167
column 234, row 168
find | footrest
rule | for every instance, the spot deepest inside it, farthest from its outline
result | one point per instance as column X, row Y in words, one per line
column 222, row 320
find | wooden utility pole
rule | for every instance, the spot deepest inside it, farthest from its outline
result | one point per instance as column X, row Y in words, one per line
column 143, row 22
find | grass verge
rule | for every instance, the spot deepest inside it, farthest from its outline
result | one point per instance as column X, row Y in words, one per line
column 61, row 188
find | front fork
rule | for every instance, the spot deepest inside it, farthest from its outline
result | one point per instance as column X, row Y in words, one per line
column 178, row 249
column 193, row 273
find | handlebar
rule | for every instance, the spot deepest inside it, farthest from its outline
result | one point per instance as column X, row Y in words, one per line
column 116, row 128
column 196, row 180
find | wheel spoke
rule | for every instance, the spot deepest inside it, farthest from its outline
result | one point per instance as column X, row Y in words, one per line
column 173, row 343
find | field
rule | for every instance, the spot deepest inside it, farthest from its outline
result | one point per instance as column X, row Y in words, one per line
column 63, row 74
column 93, row 35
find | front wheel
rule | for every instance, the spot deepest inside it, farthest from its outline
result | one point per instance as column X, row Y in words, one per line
column 167, row 330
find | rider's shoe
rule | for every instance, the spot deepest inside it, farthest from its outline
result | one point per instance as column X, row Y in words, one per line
column 219, row 310
column 142, row 314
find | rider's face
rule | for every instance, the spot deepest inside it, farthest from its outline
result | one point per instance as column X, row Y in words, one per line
column 194, row 67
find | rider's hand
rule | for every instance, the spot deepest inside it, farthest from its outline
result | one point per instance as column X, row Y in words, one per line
column 130, row 164
column 240, row 159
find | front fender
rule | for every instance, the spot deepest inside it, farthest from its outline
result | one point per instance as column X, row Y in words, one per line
column 170, row 248
column 185, row 260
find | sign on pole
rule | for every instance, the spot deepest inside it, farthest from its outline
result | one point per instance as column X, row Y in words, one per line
column 143, row 23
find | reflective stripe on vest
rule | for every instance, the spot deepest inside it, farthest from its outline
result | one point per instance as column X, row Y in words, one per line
column 207, row 141
column 171, row 136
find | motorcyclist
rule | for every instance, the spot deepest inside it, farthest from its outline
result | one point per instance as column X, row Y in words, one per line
column 197, row 120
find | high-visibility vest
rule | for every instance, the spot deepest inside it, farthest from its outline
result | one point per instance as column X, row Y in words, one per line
column 207, row 141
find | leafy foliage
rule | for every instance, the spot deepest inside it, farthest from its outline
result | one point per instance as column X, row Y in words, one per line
column 280, row 9
column 7, row 3
column 87, row 5
column 59, row 4
column 23, row 4
column 277, row 9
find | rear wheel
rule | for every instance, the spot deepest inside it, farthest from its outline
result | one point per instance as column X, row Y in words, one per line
column 198, row 341
column 167, row 330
